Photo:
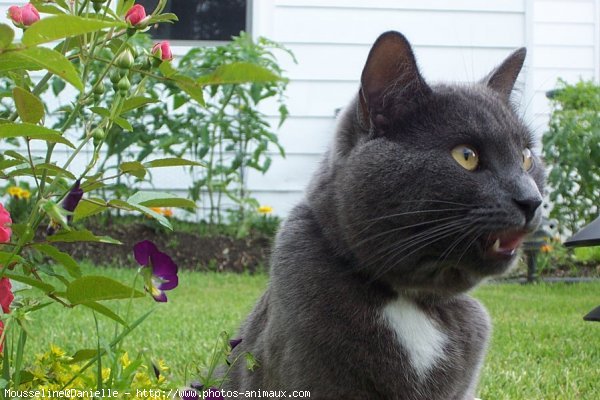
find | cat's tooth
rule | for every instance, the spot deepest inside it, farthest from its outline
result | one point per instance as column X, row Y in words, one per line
column 496, row 245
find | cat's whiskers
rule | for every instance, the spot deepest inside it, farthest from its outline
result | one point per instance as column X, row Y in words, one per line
column 397, row 229
column 442, row 258
column 413, row 212
column 431, row 239
column 442, row 230
column 475, row 237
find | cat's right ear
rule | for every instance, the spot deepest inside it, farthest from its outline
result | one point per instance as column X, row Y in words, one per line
column 390, row 76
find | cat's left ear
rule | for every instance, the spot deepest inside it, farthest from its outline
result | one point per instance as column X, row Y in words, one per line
column 502, row 79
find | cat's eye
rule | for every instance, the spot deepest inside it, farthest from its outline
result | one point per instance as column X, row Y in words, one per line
column 466, row 157
column 527, row 159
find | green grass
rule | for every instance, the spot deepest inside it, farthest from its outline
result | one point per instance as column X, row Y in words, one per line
column 182, row 331
column 541, row 347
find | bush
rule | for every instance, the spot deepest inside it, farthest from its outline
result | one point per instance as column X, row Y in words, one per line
column 96, row 54
column 572, row 153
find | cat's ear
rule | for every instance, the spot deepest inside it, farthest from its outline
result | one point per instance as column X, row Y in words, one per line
column 503, row 78
column 390, row 76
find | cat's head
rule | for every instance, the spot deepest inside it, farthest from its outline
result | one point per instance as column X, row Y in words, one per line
column 441, row 185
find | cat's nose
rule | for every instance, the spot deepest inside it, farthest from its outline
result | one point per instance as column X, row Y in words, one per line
column 529, row 207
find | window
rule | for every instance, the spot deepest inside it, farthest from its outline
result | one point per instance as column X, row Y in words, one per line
column 202, row 19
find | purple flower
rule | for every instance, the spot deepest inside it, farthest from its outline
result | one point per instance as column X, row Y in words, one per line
column 234, row 342
column 189, row 394
column 73, row 198
column 161, row 273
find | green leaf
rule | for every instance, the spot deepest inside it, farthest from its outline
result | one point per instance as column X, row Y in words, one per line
column 160, row 199
column 56, row 169
column 6, row 36
column 63, row 26
column 136, row 102
column 11, row 60
column 5, row 256
column 4, row 164
column 83, row 354
column 51, row 60
column 87, row 208
column 60, row 257
column 166, row 68
column 31, row 131
column 46, row 287
column 192, row 88
column 239, row 72
column 29, row 107
column 103, row 112
column 93, row 288
column 134, row 168
column 165, row 17
column 102, row 309
column 171, row 162
column 143, row 209
column 16, row 156
column 123, row 123
column 123, row 6
column 81, row 236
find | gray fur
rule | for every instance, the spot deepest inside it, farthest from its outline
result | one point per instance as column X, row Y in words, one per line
column 365, row 235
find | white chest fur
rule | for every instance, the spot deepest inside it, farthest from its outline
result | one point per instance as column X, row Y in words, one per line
column 418, row 334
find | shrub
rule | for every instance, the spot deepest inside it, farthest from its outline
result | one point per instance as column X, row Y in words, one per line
column 572, row 153
column 96, row 54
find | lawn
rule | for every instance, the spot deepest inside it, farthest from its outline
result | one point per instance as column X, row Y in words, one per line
column 541, row 347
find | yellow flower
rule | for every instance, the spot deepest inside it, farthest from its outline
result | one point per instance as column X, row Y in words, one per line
column 14, row 191
column 25, row 194
column 167, row 212
column 125, row 361
column 56, row 351
column 265, row 210
column 546, row 248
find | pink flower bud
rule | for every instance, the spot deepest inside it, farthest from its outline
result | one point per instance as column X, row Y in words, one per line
column 135, row 14
column 29, row 14
column 162, row 50
column 5, row 223
column 23, row 16
column 14, row 14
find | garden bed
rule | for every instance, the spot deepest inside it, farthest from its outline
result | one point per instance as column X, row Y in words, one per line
column 190, row 250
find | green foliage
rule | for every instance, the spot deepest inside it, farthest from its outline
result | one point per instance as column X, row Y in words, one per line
column 228, row 134
column 119, row 83
column 572, row 153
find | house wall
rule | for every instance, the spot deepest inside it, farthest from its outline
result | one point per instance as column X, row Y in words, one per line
column 457, row 41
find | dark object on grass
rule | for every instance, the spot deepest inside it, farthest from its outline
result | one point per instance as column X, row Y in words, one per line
column 532, row 247
column 593, row 315
column 588, row 236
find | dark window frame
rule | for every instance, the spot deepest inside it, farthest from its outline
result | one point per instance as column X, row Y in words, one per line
column 210, row 42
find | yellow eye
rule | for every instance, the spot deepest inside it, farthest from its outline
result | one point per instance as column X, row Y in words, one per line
column 527, row 159
column 466, row 157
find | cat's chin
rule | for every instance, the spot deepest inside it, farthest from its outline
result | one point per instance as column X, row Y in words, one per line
column 451, row 277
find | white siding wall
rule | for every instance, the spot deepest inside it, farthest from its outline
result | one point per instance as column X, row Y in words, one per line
column 454, row 41
column 566, row 44
column 459, row 40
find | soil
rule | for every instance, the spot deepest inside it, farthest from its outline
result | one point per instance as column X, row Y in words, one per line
column 190, row 251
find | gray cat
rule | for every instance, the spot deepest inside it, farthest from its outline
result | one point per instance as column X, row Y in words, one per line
column 426, row 190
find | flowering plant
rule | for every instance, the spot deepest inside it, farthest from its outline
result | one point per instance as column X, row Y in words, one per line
column 91, row 51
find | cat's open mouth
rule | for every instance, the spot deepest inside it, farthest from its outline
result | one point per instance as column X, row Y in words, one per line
column 504, row 245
